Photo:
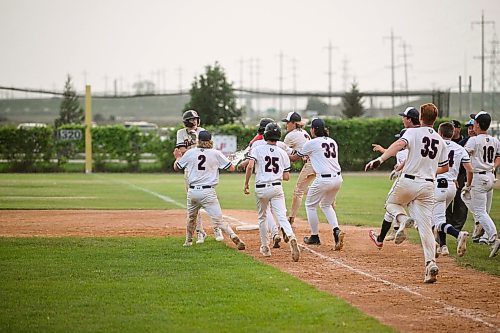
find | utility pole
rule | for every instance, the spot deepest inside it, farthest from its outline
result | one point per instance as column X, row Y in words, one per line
column 257, row 85
column 294, row 82
column 281, row 82
column 482, row 23
column 493, row 64
column 105, row 84
column 251, row 86
column 330, row 73
column 460, row 96
column 393, row 66
column 405, row 64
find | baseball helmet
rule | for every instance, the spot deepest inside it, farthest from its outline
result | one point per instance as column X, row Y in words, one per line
column 262, row 124
column 188, row 115
column 272, row 132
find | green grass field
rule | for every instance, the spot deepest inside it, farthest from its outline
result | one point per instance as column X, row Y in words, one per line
column 152, row 284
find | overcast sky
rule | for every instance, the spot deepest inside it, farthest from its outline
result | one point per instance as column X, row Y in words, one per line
column 128, row 40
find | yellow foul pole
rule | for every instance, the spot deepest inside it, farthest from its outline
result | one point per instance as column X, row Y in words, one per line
column 88, row 126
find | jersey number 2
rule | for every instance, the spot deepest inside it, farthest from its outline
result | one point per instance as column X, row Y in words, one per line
column 202, row 159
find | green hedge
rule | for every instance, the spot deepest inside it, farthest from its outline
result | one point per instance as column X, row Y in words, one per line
column 28, row 150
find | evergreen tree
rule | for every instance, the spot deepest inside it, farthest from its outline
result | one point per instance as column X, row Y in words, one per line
column 70, row 111
column 213, row 98
column 352, row 102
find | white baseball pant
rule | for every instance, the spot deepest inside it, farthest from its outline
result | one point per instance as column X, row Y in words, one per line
column 198, row 198
column 322, row 192
column 479, row 200
column 420, row 193
column 306, row 175
column 273, row 196
column 443, row 197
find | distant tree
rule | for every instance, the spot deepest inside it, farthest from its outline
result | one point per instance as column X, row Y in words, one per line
column 213, row 97
column 315, row 104
column 70, row 111
column 352, row 102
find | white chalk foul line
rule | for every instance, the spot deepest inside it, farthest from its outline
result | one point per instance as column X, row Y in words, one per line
column 467, row 313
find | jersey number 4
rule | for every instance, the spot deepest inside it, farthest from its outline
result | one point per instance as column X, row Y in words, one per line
column 430, row 147
column 271, row 164
column 329, row 150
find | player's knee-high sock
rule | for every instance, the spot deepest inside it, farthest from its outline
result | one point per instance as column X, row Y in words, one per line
column 447, row 228
column 199, row 224
column 386, row 226
column 442, row 238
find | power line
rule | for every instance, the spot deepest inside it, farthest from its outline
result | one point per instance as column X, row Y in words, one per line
column 482, row 23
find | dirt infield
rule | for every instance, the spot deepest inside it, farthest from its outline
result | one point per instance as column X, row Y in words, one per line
column 386, row 284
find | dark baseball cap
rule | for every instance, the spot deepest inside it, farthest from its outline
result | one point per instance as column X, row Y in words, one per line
column 456, row 123
column 204, row 136
column 410, row 112
column 292, row 116
column 318, row 124
column 483, row 118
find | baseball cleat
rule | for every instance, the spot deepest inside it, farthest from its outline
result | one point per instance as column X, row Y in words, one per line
column 188, row 242
column 239, row 244
column 218, row 234
column 373, row 237
column 400, row 234
column 312, row 240
column 294, row 247
column 494, row 248
column 445, row 251
column 200, row 237
column 338, row 237
column 276, row 241
column 438, row 250
column 477, row 232
column 265, row 251
column 390, row 237
column 431, row 272
column 285, row 237
column 462, row 243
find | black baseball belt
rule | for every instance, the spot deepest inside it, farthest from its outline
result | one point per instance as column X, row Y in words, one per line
column 200, row 186
column 328, row 175
column 413, row 178
column 264, row 185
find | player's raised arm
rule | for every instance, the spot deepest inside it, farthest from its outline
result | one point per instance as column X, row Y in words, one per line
column 389, row 152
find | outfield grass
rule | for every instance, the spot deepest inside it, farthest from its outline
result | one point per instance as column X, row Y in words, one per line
column 153, row 285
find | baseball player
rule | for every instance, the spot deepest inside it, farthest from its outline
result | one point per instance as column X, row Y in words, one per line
column 202, row 166
column 410, row 119
column 427, row 156
column 295, row 139
column 187, row 138
column 484, row 151
column 446, row 187
column 272, row 166
column 323, row 154
column 272, row 225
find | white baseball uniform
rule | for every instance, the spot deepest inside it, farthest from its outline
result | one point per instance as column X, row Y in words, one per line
column 426, row 151
column 483, row 150
column 296, row 139
column 400, row 158
column 323, row 154
column 202, row 169
column 188, row 138
column 446, row 188
column 270, row 219
column 270, row 163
